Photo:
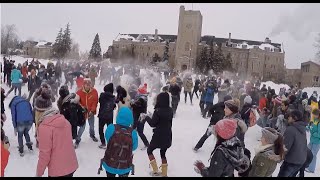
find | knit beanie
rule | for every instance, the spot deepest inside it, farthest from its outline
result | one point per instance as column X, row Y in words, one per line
column 270, row 135
column 232, row 105
column 278, row 100
column 226, row 98
column 109, row 88
column 143, row 89
column 43, row 101
column 63, row 91
column 247, row 100
column 226, row 128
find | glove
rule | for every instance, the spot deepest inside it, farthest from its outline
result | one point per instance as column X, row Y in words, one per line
column 210, row 130
column 15, row 131
column 198, row 166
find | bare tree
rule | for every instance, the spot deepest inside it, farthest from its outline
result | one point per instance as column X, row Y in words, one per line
column 317, row 45
column 9, row 38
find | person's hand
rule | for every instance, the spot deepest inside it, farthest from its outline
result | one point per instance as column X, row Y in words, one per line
column 198, row 166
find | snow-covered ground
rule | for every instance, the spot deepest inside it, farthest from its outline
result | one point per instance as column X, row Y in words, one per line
column 188, row 127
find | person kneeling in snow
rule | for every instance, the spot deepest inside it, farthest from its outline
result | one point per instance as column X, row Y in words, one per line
column 122, row 140
column 228, row 154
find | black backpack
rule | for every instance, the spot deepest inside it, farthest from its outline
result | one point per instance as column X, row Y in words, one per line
column 77, row 114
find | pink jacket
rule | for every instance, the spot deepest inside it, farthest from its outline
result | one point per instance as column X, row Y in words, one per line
column 56, row 149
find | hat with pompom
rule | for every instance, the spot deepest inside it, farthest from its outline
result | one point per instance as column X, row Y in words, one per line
column 226, row 128
column 43, row 101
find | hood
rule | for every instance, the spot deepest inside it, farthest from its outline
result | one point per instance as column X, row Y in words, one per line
column 124, row 117
column 106, row 95
column 163, row 100
column 51, row 117
column 234, row 152
column 15, row 70
column 300, row 126
column 73, row 98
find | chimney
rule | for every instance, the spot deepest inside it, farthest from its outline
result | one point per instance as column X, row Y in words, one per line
column 229, row 41
column 156, row 34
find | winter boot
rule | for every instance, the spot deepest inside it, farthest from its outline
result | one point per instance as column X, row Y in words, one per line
column 21, row 151
column 154, row 166
column 29, row 145
column 164, row 170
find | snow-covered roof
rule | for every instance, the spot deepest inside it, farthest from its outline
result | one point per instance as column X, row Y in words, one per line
column 44, row 43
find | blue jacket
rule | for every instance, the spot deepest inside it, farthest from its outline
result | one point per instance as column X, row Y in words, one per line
column 21, row 111
column 16, row 76
column 315, row 132
column 209, row 95
column 124, row 118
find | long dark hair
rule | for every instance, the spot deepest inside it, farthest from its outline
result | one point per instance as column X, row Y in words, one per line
column 279, row 147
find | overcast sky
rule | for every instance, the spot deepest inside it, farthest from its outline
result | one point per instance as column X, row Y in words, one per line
column 294, row 25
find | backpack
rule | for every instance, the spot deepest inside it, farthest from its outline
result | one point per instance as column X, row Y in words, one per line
column 77, row 114
column 118, row 154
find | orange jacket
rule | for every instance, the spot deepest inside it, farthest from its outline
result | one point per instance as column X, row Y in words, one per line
column 79, row 82
column 263, row 103
column 4, row 158
column 89, row 100
column 24, row 71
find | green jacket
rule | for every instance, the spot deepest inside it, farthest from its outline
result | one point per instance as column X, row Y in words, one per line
column 315, row 132
column 264, row 163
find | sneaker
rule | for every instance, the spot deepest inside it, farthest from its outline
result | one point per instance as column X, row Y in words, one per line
column 102, row 146
column 94, row 138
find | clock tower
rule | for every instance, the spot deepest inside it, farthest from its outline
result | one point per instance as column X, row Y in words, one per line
column 189, row 35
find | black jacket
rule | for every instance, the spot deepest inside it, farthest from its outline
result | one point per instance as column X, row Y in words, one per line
column 33, row 83
column 121, row 94
column 107, row 105
column 161, row 121
column 217, row 112
column 245, row 113
column 196, row 85
column 138, row 106
column 295, row 141
column 175, row 90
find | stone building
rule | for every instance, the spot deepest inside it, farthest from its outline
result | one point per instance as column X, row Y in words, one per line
column 260, row 59
column 307, row 76
column 36, row 49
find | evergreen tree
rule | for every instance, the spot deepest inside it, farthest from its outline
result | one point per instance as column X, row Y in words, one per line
column 210, row 61
column 218, row 60
column 227, row 63
column 66, row 41
column 166, row 52
column 57, row 46
column 202, row 60
column 95, row 52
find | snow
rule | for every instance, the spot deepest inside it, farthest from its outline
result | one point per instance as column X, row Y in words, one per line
column 187, row 128
column 42, row 43
column 275, row 86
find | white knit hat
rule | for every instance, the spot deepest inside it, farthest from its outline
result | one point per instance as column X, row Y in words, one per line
column 248, row 99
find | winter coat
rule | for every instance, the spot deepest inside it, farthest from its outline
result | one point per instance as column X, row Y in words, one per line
column 315, row 132
column 175, row 90
column 208, row 95
column 245, row 113
column 33, row 83
column 188, row 85
column 281, row 121
column 42, row 74
column 222, row 92
column 88, row 100
column 24, row 71
column 79, row 82
column 64, row 106
column 263, row 103
column 4, row 158
column 217, row 112
column 265, row 162
column 161, row 121
column 21, row 111
column 295, row 141
column 56, row 149
column 16, row 76
column 124, row 118
column 242, row 96
column 226, row 158
column 196, row 85
column 139, row 106
column 107, row 105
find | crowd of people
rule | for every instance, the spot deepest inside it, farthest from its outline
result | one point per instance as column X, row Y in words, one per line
column 284, row 119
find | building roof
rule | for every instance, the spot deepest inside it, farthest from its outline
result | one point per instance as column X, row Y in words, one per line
column 311, row 62
column 207, row 39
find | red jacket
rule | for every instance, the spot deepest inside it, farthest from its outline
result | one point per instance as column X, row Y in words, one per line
column 24, row 71
column 263, row 103
column 89, row 100
column 4, row 158
column 56, row 151
column 79, row 82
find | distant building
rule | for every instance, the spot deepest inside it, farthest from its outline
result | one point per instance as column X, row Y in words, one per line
column 307, row 76
column 36, row 49
column 260, row 59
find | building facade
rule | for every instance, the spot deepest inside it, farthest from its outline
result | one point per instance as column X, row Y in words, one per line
column 260, row 59
column 34, row 49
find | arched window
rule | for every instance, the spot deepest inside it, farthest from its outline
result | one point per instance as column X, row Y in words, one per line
column 187, row 46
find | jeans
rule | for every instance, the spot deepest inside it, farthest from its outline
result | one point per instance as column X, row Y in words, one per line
column 202, row 140
column 82, row 128
column 23, row 130
column 314, row 149
column 185, row 96
column 288, row 169
column 143, row 137
column 15, row 86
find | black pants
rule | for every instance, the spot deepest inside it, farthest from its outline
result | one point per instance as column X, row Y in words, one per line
column 102, row 123
column 162, row 151
column 68, row 175
column 195, row 91
column 5, row 74
column 114, row 175
column 185, row 96
column 174, row 103
column 9, row 79
column 288, row 169
column 201, row 104
column 30, row 94
column 202, row 140
column 140, row 128
column 206, row 112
